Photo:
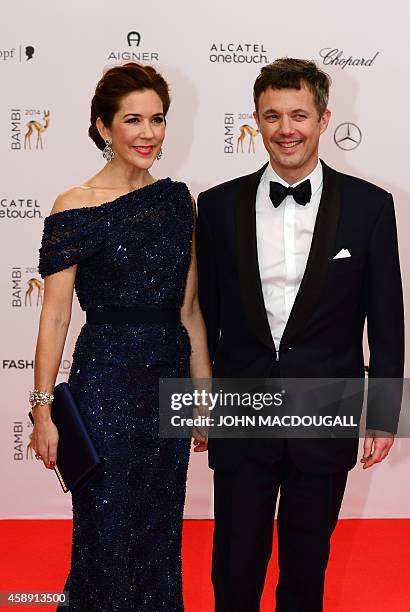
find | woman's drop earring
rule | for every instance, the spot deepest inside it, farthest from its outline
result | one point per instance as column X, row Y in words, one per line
column 160, row 154
column 108, row 153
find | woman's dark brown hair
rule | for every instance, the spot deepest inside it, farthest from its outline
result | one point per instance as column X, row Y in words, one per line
column 118, row 82
column 290, row 73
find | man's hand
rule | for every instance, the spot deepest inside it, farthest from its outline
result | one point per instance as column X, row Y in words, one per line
column 376, row 447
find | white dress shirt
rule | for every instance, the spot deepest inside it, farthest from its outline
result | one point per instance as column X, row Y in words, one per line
column 284, row 237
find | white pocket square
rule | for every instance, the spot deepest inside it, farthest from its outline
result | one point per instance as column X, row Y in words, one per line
column 341, row 254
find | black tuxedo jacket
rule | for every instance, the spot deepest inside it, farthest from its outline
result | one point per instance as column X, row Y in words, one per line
column 324, row 333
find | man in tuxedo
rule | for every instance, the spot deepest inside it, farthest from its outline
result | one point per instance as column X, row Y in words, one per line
column 292, row 259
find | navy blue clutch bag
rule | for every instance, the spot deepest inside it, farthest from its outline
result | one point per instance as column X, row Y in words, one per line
column 76, row 455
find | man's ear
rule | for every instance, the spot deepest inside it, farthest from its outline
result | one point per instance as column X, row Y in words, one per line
column 256, row 117
column 324, row 120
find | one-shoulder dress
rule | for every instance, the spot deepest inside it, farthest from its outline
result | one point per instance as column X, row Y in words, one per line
column 127, row 517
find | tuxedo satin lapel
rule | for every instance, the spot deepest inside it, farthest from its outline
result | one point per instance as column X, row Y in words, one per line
column 320, row 254
column 247, row 259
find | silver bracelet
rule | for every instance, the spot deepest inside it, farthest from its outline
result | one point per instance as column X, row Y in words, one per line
column 40, row 397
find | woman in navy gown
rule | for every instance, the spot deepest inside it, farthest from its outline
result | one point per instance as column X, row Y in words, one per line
column 125, row 242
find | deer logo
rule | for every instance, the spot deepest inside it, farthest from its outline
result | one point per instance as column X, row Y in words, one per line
column 34, row 283
column 247, row 130
column 35, row 125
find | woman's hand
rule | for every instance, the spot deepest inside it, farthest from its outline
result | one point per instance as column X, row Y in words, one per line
column 200, row 444
column 44, row 438
column 201, row 430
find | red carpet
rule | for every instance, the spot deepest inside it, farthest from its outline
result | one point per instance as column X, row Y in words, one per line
column 368, row 572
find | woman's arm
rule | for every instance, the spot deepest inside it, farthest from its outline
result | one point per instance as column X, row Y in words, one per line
column 54, row 321
column 191, row 318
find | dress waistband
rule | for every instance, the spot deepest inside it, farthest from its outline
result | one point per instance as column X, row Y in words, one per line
column 132, row 314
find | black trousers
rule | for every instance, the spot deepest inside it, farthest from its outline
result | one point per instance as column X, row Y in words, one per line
column 245, row 501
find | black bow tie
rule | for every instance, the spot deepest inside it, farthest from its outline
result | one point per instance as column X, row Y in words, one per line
column 301, row 193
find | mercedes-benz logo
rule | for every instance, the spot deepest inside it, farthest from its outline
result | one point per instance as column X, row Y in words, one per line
column 347, row 136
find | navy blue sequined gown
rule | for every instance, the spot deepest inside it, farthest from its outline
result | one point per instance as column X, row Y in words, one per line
column 127, row 518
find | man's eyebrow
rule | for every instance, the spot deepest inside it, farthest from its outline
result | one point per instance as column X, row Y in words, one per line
column 272, row 111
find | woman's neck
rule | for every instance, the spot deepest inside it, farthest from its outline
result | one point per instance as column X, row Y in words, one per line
column 116, row 175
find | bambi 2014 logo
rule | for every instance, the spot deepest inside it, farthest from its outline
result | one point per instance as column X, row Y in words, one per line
column 239, row 133
column 26, row 287
column 28, row 128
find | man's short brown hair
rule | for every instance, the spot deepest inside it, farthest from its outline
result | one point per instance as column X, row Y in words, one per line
column 290, row 73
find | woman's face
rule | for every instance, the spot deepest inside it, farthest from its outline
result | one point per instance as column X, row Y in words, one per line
column 138, row 129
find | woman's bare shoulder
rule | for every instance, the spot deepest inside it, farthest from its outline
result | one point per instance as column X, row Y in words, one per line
column 76, row 197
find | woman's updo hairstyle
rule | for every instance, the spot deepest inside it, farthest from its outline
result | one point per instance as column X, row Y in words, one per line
column 117, row 83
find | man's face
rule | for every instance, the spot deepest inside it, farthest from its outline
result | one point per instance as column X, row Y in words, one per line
column 291, row 127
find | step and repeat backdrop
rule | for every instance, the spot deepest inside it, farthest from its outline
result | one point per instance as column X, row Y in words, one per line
column 51, row 56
